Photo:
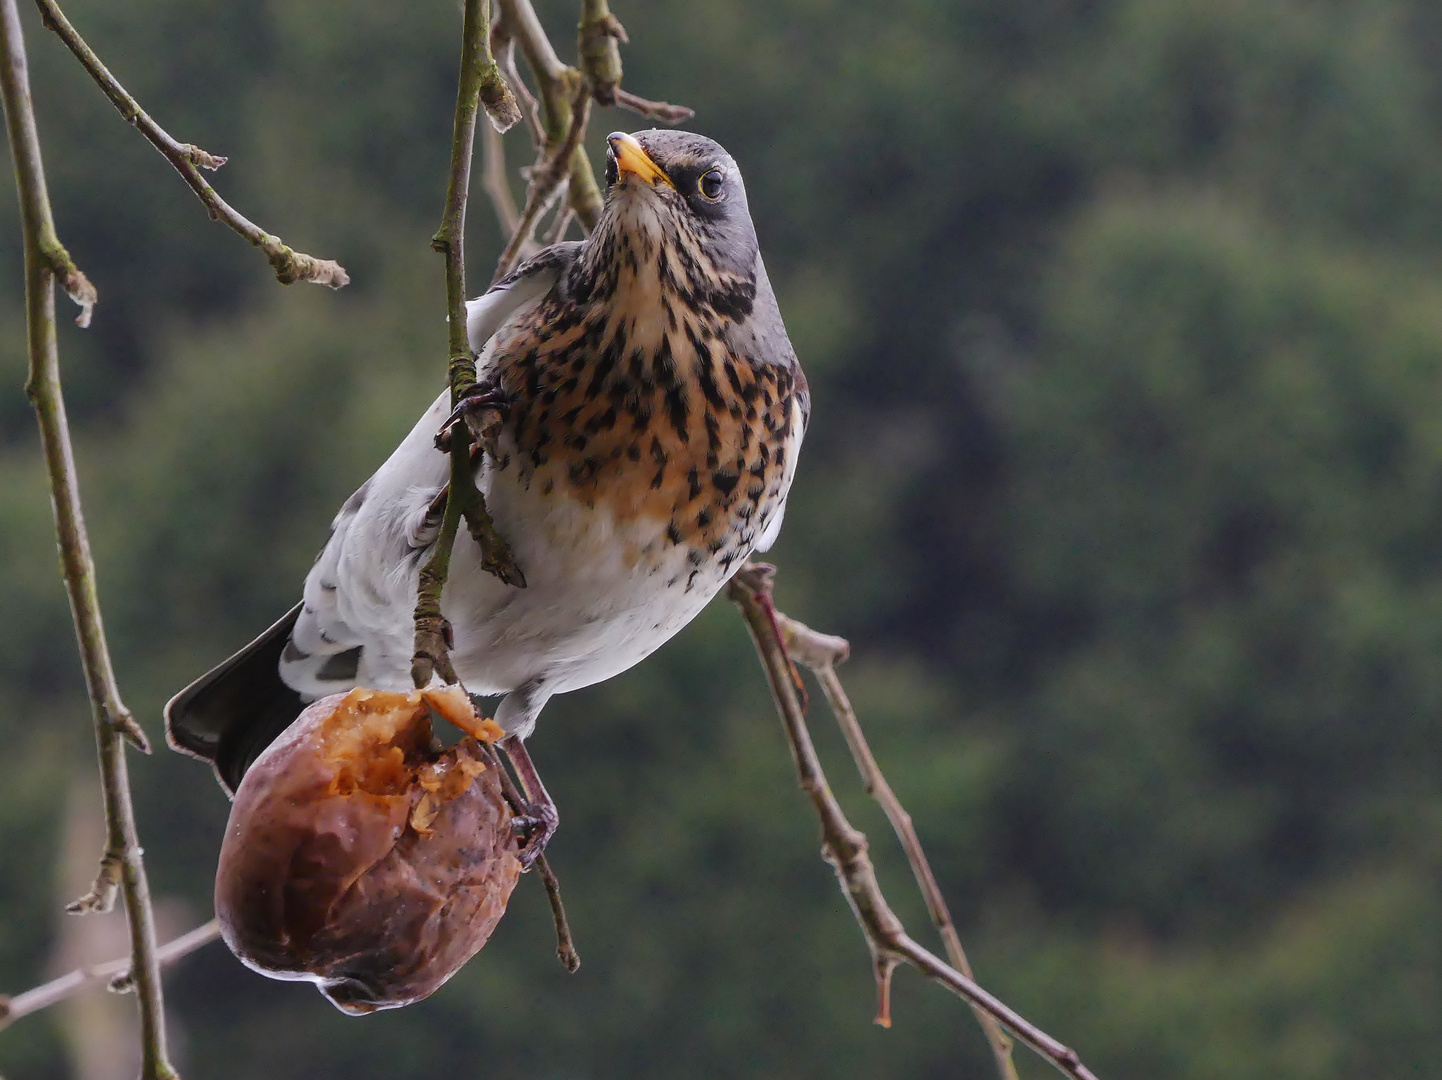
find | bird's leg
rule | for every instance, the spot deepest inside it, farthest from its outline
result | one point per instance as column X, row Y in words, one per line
column 481, row 407
column 763, row 598
column 537, row 824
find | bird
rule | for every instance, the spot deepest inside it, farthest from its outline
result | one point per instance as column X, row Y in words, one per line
column 654, row 410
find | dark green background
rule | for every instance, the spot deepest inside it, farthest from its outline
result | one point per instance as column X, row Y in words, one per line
column 1123, row 320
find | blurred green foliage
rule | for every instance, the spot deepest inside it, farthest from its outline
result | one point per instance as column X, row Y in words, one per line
column 1124, row 325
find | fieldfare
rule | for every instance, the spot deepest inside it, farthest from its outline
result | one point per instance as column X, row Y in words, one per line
column 655, row 409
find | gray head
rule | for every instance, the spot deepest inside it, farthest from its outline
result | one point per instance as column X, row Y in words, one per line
column 675, row 201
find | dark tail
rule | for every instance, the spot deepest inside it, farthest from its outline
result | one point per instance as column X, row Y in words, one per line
column 233, row 712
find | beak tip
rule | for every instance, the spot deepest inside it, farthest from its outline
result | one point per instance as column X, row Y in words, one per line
column 631, row 157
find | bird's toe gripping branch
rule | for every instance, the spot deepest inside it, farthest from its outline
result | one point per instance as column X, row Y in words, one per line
column 482, row 407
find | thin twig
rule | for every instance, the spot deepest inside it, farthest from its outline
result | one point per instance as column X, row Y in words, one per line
column 565, row 947
column 503, row 47
column 289, row 265
column 565, row 944
column 545, row 180
column 821, row 653
column 845, row 848
column 556, row 85
column 661, row 111
column 560, row 223
column 478, row 72
column 495, row 182
column 116, row 972
column 122, row 866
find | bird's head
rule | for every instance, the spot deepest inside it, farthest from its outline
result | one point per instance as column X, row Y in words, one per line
column 676, row 211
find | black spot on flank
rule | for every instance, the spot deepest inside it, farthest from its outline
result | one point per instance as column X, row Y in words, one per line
column 695, row 558
column 658, row 479
column 725, row 480
column 658, row 453
column 676, row 411
column 703, row 519
column 634, row 451
column 673, row 534
column 602, row 422
column 694, row 479
column 341, row 666
column 549, row 488
column 759, row 469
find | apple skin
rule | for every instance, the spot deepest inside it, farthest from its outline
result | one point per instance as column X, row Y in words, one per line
column 360, row 858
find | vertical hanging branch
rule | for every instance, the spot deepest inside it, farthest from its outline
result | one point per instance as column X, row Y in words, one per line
column 480, row 83
column 46, row 261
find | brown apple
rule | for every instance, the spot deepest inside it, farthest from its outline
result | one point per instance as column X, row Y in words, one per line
column 363, row 859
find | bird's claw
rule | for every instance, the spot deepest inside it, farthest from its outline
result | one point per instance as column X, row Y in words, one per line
column 534, row 829
column 480, row 398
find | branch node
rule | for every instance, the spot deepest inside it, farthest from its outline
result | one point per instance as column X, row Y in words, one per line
column 101, row 897
column 885, row 965
column 200, row 158
column 124, row 724
column 498, row 100
column 597, row 45
column 661, row 111
column 76, row 285
column 291, row 266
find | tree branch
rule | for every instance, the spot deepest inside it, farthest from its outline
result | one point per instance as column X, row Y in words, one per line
column 121, row 867
column 289, row 265
column 557, row 85
column 478, row 73
column 821, row 653
column 116, row 972
column 845, row 848
column 545, row 182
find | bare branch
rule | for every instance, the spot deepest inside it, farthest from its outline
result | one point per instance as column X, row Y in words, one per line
column 662, row 112
column 546, row 177
column 116, row 972
column 845, row 848
column 821, row 652
column 478, row 72
column 289, row 265
column 122, row 865
column 556, row 84
column 565, row 945
column 503, row 47
column 560, row 224
column 598, row 47
column 495, row 182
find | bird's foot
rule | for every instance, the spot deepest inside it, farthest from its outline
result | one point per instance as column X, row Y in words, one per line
column 481, row 408
column 534, row 829
column 536, row 814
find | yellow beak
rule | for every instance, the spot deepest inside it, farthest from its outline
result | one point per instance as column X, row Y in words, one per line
column 630, row 158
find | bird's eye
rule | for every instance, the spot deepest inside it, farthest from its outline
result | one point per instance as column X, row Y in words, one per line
column 710, row 184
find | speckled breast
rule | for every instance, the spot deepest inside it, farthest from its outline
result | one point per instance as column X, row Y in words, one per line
column 652, row 418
